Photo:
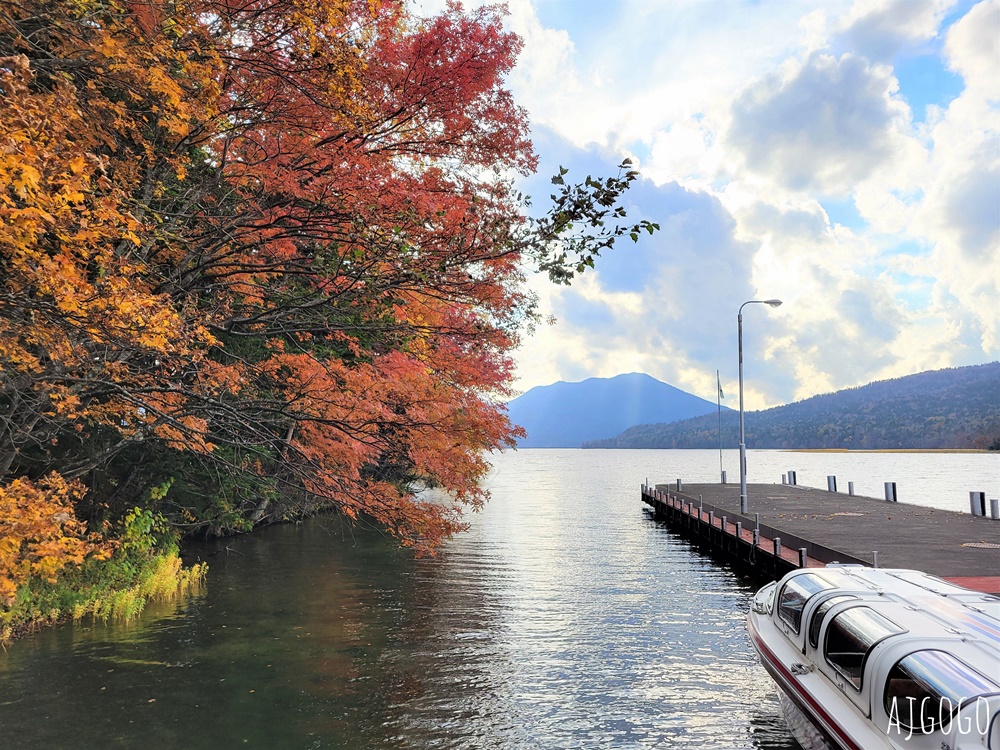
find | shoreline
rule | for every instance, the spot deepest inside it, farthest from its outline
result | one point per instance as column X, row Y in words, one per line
column 888, row 450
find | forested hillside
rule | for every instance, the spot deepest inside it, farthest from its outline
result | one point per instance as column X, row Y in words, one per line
column 953, row 408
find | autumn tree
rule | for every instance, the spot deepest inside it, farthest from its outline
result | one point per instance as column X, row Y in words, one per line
column 272, row 250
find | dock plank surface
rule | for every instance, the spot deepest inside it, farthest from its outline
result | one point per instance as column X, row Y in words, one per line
column 905, row 535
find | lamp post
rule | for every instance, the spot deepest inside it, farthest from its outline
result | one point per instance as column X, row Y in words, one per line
column 743, row 444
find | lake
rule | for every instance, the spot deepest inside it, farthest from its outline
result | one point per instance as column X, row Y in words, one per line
column 564, row 618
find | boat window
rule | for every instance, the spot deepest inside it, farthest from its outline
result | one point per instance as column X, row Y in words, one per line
column 849, row 638
column 925, row 689
column 820, row 614
column 794, row 595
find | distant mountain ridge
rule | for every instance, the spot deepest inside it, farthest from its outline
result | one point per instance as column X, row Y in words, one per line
column 565, row 415
column 951, row 408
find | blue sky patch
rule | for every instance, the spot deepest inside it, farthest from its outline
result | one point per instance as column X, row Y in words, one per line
column 916, row 292
column 843, row 212
column 925, row 80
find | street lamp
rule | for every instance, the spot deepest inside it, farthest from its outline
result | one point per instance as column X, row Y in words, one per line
column 743, row 444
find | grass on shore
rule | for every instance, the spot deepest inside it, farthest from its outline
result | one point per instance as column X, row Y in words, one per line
column 146, row 566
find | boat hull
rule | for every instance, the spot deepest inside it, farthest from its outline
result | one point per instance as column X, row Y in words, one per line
column 803, row 730
column 823, row 726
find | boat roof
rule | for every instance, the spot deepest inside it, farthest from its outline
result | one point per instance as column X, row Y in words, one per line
column 927, row 606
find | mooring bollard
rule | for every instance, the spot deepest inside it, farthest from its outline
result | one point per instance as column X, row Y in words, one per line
column 831, row 483
column 680, row 485
column 850, row 488
column 784, row 479
column 777, row 546
column 793, row 478
column 995, row 509
column 977, row 503
column 803, row 556
column 890, row 492
column 875, row 558
column 723, row 477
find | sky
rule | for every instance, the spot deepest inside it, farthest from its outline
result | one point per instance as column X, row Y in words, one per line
column 841, row 156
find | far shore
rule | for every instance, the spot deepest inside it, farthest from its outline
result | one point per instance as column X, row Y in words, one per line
column 889, row 450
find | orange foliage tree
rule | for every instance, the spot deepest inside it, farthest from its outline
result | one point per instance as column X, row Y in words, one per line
column 268, row 249
column 39, row 533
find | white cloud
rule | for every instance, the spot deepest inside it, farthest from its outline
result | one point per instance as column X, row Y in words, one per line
column 824, row 126
column 973, row 48
column 654, row 63
column 960, row 210
column 878, row 30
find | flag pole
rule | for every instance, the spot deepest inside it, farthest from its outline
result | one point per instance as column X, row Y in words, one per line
column 718, row 382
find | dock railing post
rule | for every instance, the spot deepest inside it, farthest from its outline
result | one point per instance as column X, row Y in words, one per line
column 777, row 546
column 803, row 557
column 874, row 558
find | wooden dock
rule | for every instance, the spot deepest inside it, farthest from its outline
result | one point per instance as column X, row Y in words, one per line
column 804, row 527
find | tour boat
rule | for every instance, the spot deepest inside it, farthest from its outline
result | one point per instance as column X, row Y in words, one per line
column 881, row 659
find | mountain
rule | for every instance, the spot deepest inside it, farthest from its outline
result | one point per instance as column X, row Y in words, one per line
column 565, row 415
column 953, row 408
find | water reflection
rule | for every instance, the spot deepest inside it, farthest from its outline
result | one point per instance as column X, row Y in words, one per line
column 565, row 618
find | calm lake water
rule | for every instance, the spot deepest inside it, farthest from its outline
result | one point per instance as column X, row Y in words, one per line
column 564, row 618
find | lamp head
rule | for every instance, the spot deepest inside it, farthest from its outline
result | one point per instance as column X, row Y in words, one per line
column 772, row 302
